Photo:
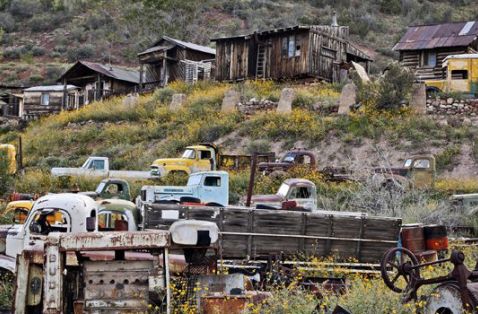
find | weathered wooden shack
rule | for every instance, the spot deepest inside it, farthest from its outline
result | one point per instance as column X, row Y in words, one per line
column 98, row 81
column 316, row 51
column 424, row 47
column 171, row 59
column 44, row 100
column 11, row 101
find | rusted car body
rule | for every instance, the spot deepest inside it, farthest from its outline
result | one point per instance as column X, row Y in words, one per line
column 292, row 158
column 418, row 171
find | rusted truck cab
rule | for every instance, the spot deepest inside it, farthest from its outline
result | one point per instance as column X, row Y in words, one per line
column 298, row 194
column 418, row 171
column 292, row 158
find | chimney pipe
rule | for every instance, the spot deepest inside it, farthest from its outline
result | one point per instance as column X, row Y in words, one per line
column 334, row 19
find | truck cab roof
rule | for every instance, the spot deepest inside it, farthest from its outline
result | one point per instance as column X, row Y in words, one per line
column 79, row 206
column 299, row 182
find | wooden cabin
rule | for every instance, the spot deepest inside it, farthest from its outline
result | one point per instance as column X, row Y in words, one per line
column 98, row 81
column 45, row 100
column 317, row 51
column 424, row 47
column 171, row 59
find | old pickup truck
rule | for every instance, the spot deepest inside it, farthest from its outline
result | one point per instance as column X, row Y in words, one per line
column 298, row 194
column 203, row 157
column 206, row 187
column 99, row 167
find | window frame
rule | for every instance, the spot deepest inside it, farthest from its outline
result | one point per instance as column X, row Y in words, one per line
column 42, row 99
column 286, row 45
column 426, row 58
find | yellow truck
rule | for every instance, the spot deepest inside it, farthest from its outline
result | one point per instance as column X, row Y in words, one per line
column 8, row 158
column 460, row 75
column 203, row 157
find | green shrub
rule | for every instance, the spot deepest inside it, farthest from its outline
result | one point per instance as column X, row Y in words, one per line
column 445, row 159
column 163, row 95
column 80, row 53
column 38, row 51
column 258, row 146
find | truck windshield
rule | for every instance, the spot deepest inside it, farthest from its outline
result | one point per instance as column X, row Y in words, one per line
column 194, row 180
column 288, row 158
column 189, row 154
column 407, row 163
column 284, row 188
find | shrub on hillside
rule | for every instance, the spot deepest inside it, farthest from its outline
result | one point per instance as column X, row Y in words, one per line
column 7, row 23
column 38, row 51
column 395, row 87
column 14, row 53
column 79, row 53
column 163, row 95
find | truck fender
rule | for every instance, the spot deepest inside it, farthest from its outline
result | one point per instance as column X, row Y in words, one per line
column 8, row 263
column 174, row 168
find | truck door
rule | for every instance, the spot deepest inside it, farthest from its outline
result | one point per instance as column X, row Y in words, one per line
column 304, row 196
column 213, row 190
column 422, row 173
column 206, row 160
column 97, row 166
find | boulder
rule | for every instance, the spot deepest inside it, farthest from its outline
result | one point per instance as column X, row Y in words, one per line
column 348, row 98
column 177, row 102
column 230, row 100
column 287, row 96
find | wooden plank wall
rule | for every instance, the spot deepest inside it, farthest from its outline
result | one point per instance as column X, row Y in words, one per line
column 285, row 67
column 255, row 234
column 32, row 103
column 232, row 59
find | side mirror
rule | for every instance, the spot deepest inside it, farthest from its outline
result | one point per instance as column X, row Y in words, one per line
column 90, row 224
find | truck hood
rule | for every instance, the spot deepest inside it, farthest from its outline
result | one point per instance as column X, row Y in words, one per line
column 65, row 171
column 267, row 198
column 172, row 192
column 163, row 162
column 400, row 171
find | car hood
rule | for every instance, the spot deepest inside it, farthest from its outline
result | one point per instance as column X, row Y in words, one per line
column 169, row 161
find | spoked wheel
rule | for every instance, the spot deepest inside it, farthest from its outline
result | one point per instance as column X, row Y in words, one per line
column 396, row 269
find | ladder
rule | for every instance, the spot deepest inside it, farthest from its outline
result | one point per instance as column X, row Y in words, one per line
column 261, row 61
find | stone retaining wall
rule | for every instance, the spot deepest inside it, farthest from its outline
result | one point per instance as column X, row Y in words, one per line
column 450, row 106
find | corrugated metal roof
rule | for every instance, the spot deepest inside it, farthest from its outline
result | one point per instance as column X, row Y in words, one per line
column 50, row 88
column 180, row 43
column 438, row 35
column 119, row 73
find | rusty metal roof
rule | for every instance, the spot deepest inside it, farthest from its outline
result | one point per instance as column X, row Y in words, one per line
column 460, row 34
column 114, row 72
column 184, row 44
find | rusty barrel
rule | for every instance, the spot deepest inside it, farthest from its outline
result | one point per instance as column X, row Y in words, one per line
column 436, row 237
column 413, row 238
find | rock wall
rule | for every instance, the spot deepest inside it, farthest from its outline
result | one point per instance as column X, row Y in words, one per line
column 450, row 106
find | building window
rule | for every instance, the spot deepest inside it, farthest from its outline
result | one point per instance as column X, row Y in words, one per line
column 289, row 48
column 429, row 59
column 45, row 99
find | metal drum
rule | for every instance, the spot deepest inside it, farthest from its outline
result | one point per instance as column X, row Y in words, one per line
column 413, row 238
column 436, row 237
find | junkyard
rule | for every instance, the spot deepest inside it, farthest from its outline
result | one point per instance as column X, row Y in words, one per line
column 239, row 157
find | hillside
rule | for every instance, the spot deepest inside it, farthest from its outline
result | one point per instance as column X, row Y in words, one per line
column 134, row 137
column 38, row 37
